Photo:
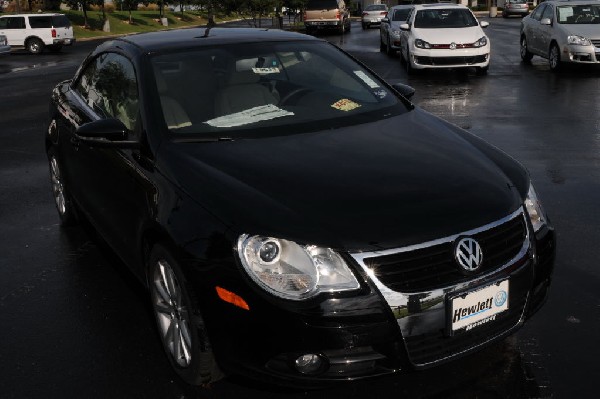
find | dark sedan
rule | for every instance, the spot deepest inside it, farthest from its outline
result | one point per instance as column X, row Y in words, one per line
column 294, row 217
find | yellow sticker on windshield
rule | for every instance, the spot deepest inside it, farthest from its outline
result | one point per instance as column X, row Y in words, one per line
column 345, row 105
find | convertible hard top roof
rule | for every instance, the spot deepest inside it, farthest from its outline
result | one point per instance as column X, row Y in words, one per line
column 186, row 38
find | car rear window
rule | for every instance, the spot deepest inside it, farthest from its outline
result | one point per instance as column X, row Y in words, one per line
column 271, row 88
column 376, row 7
column 322, row 5
column 61, row 21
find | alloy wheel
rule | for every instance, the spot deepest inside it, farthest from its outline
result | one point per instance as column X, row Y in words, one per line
column 172, row 314
column 57, row 186
column 554, row 58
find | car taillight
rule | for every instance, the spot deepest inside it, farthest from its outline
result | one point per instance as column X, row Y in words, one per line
column 304, row 17
column 365, row 13
column 338, row 15
column 53, row 32
column 384, row 13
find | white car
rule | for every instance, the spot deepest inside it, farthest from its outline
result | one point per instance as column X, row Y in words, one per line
column 444, row 36
column 562, row 32
column 4, row 47
column 373, row 14
column 35, row 32
column 389, row 31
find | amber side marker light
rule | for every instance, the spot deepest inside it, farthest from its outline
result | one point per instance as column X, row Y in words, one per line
column 232, row 298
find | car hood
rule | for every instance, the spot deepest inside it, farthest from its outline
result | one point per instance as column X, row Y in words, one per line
column 442, row 36
column 394, row 182
column 592, row 32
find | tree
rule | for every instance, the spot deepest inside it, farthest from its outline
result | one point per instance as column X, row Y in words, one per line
column 74, row 5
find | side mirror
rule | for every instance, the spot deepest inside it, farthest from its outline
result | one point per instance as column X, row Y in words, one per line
column 546, row 21
column 484, row 24
column 404, row 27
column 406, row 90
column 109, row 132
column 385, row 20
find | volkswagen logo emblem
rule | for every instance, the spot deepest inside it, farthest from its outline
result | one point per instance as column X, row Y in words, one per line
column 452, row 46
column 468, row 254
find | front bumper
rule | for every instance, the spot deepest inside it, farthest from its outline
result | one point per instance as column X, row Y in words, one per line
column 382, row 330
column 4, row 49
column 581, row 54
column 446, row 58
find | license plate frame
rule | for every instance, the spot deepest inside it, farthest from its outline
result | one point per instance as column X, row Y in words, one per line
column 470, row 309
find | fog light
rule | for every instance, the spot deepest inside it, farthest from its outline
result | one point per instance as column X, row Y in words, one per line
column 309, row 363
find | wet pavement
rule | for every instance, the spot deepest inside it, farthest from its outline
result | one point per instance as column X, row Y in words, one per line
column 75, row 323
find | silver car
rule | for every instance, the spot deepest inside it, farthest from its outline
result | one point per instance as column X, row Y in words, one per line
column 389, row 31
column 4, row 47
column 373, row 14
column 563, row 32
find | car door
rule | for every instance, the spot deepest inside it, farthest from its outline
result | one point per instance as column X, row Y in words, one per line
column 14, row 30
column 405, row 35
column 545, row 31
column 111, row 182
column 531, row 29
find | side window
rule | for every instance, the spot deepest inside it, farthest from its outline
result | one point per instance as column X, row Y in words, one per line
column 3, row 22
column 40, row 22
column 548, row 12
column 537, row 13
column 15, row 23
column 109, row 86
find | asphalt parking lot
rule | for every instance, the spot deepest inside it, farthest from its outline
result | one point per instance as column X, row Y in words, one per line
column 76, row 324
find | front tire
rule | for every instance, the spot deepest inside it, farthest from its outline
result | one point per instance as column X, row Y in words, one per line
column 554, row 58
column 35, row 45
column 67, row 211
column 179, row 321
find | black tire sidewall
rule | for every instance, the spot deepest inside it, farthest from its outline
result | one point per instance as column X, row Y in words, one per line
column 196, row 372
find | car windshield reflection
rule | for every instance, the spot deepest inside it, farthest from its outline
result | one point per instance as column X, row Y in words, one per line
column 256, row 89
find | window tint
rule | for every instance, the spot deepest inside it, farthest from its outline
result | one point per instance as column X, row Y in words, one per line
column 60, row 21
column 321, row 4
column 401, row 15
column 108, row 85
column 376, row 7
column 12, row 23
column 537, row 13
column 548, row 12
column 40, row 22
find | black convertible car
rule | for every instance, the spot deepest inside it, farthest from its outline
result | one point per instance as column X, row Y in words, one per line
column 293, row 216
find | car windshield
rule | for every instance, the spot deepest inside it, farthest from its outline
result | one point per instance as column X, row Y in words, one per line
column 270, row 88
column 401, row 15
column 444, row 18
column 578, row 14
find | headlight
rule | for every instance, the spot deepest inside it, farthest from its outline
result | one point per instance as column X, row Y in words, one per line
column 293, row 271
column 481, row 42
column 579, row 40
column 422, row 44
column 534, row 209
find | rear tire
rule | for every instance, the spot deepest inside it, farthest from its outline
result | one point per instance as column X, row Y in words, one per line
column 34, row 45
column 526, row 56
column 179, row 321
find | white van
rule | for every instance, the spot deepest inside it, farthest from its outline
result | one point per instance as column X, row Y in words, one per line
column 37, row 31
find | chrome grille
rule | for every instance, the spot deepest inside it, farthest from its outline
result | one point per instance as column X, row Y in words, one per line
column 432, row 267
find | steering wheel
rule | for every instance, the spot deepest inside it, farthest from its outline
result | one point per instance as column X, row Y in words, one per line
column 293, row 93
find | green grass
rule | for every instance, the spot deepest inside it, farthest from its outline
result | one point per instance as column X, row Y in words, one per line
column 143, row 21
